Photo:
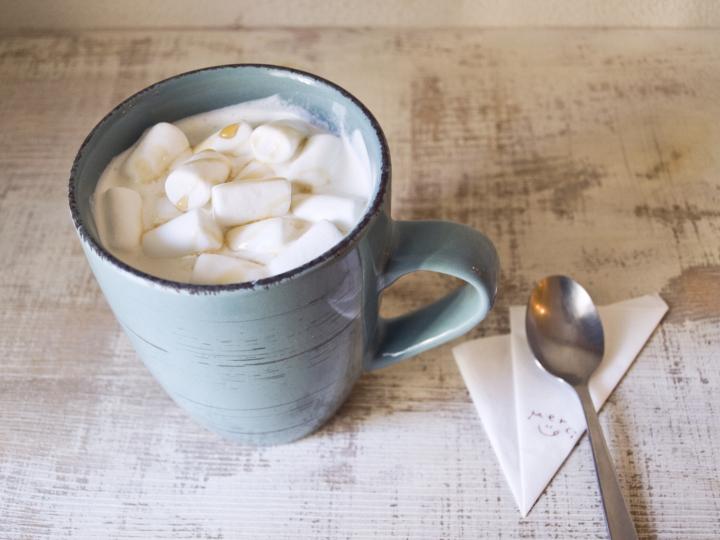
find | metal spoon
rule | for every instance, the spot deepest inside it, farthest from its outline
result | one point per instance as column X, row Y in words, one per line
column 566, row 336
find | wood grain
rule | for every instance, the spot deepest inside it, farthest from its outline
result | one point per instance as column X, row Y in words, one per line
column 592, row 153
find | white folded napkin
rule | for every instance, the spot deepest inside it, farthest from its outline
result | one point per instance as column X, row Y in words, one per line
column 532, row 419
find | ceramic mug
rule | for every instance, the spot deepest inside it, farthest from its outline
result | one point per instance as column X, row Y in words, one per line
column 270, row 361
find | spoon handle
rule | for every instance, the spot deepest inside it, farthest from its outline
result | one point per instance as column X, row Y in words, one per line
column 619, row 521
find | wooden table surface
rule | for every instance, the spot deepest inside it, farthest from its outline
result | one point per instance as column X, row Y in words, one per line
column 592, row 153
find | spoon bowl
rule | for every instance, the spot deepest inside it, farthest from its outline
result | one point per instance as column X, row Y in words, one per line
column 564, row 329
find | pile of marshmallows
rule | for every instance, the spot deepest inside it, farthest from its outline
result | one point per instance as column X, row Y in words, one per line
column 226, row 203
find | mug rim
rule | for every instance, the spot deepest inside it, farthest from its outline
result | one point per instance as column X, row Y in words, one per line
column 372, row 210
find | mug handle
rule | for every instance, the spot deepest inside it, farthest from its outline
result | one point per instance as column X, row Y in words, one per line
column 447, row 248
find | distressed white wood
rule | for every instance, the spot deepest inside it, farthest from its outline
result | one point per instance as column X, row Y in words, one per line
column 185, row 14
column 593, row 153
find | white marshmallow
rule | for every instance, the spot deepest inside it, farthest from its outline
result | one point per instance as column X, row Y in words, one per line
column 317, row 240
column 188, row 186
column 254, row 256
column 266, row 236
column 209, row 155
column 181, row 158
column 328, row 159
column 211, row 269
column 344, row 212
column 152, row 193
column 238, row 163
column 191, row 232
column 155, row 152
column 120, row 216
column 232, row 139
column 255, row 170
column 238, row 202
column 275, row 142
column 163, row 211
column 319, row 161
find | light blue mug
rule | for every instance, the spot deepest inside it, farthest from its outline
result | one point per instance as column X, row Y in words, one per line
column 269, row 362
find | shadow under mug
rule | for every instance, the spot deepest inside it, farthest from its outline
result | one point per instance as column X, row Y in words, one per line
column 270, row 361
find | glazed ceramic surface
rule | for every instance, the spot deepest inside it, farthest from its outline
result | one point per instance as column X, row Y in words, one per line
column 270, row 361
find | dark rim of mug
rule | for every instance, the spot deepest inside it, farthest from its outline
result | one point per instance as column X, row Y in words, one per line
column 346, row 242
